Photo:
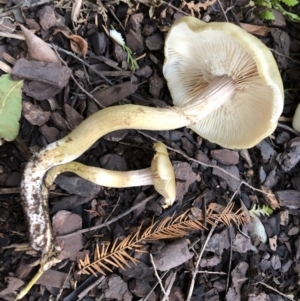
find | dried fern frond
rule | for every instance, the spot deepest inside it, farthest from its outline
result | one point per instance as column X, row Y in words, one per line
column 116, row 254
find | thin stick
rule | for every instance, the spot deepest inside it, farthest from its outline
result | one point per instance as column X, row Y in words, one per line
column 83, row 62
column 275, row 290
column 169, row 285
column 65, row 282
column 196, row 270
column 158, row 278
column 111, row 221
column 76, row 82
column 115, row 206
column 230, row 260
column 222, row 9
column 114, row 15
column 10, row 190
column 286, row 56
column 154, row 287
column 11, row 35
column 85, row 291
column 211, row 272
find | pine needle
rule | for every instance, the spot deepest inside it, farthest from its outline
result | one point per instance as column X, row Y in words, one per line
column 117, row 254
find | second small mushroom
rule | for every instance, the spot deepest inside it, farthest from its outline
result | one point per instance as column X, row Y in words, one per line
column 160, row 174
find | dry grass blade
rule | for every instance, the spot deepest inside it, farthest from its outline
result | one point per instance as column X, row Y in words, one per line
column 117, row 254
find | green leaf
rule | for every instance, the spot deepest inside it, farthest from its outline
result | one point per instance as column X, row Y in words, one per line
column 267, row 15
column 10, row 107
column 290, row 2
column 263, row 3
column 258, row 211
column 279, row 7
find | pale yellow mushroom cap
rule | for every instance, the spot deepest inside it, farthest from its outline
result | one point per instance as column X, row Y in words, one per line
column 163, row 174
column 296, row 119
column 196, row 53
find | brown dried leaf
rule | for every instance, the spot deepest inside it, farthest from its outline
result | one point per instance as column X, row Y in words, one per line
column 38, row 50
column 78, row 44
column 255, row 29
column 195, row 7
column 270, row 198
column 76, row 10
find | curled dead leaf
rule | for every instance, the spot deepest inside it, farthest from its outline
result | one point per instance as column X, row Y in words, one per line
column 78, row 44
column 256, row 29
column 38, row 50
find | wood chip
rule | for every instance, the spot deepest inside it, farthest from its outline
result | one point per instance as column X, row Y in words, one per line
column 39, row 91
column 13, row 284
column 34, row 114
column 225, row 156
column 50, row 133
column 73, row 118
column 184, row 176
column 76, row 185
column 47, row 73
column 172, row 255
column 54, row 278
column 291, row 155
column 239, row 277
column 49, row 18
column 231, row 182
column 154, row 42
column 111, row 95
column 289, row 198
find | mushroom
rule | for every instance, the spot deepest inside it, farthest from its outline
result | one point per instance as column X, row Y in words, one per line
column 226, row 87
column 198, row 54
column 160, row 174
column 296, row 119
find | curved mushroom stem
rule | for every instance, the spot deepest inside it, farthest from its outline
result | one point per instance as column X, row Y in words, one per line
column 34, row 193
column 101, row 176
